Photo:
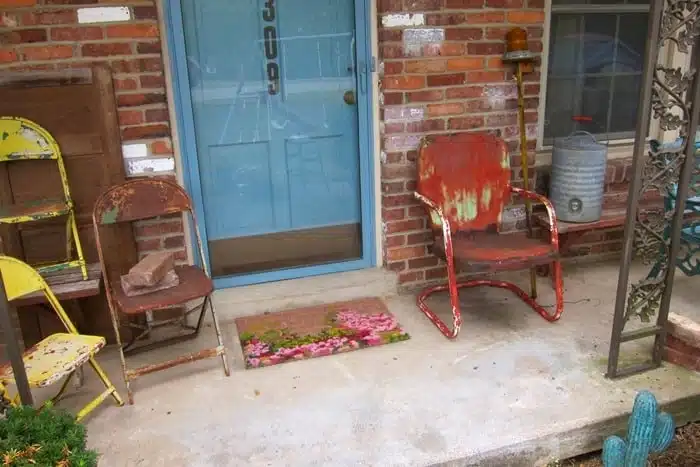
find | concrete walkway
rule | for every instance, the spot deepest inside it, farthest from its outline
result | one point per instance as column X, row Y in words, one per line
column 512, row 389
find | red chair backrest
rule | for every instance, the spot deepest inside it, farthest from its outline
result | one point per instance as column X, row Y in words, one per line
column 468, row 175
column 140, row 199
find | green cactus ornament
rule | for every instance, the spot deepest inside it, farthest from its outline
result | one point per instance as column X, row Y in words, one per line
column 648, row 431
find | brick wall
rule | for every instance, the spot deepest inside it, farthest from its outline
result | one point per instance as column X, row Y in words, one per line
column 45, row 35
column 442, row 72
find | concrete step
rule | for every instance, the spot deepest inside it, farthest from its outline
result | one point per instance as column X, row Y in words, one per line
column 276, row 296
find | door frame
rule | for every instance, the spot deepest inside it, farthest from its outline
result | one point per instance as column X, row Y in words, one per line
column 184, row 122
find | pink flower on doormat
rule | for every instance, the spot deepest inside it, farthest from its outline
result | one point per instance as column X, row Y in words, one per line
column 381, row 322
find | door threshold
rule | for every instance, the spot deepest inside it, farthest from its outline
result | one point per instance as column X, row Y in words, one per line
column 307, row 291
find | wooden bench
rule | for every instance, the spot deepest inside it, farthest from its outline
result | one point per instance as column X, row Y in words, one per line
column 67, row 285
column 570, row 231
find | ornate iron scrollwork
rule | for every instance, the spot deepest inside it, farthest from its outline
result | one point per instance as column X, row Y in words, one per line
column 658, row 237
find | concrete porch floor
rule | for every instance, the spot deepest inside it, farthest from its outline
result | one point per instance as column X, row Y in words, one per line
column 512, row 389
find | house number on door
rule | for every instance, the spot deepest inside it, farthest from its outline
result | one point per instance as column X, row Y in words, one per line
column 270, row 35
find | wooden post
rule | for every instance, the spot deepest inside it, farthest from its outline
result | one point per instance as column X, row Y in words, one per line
column 13, row 351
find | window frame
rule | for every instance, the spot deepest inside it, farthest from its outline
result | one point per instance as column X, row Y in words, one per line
column 620, row 148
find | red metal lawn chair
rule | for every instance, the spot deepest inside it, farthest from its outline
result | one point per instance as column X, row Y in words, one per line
column 464, row 182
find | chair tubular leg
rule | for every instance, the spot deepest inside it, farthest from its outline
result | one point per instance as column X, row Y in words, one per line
column 219, row 338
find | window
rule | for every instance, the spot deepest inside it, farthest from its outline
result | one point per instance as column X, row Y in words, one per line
column 594, row 67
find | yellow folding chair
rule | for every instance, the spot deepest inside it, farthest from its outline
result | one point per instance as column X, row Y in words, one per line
column 59, row 355
column 25, row 140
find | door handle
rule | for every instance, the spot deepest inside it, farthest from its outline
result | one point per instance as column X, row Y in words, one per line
column 349, row 97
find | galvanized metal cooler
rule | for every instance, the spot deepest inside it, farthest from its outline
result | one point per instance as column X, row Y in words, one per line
column 578, row 177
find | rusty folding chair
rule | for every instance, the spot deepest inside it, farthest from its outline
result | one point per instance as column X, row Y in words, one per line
column 138, row 200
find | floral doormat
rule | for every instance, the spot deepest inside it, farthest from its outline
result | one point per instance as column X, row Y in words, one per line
column 316, row 331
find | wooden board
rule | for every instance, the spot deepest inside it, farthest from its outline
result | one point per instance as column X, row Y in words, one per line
column 78, row 108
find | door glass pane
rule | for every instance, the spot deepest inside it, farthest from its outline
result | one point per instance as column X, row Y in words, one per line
column 275, row 115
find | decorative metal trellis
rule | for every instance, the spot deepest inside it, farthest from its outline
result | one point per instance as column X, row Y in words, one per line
column 672, row 96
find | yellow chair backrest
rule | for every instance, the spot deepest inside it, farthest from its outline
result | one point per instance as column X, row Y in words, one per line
column 22, row 139
column 22, row 279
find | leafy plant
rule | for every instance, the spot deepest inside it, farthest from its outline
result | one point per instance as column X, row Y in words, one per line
column 43, row 437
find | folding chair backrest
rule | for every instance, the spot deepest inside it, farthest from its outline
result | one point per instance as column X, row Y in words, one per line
column 24, row 140
column 21, row 279
column 468, row 176
column 140, row 199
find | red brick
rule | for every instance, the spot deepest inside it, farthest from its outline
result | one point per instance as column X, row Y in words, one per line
column 486, row 48
column 465, row 123
column 393, row 214
column 439, row 272
column 450, row 79
column 420, row 238
column 389, row 35
column 23, row 36
column 425, row 96
column 174, row 242
column 404, row 226
column 145, row 132
column 495, row 63
column 425, row 66
column 392, row 187
column 70, row 2
column 465, row 63
column 464, row 4
column 134, row 100
column 132, row 30
column 158, row 228
column 395, row 171
column 451, row 108
column 426, row 262
column 526, row 17
column 106, row 49
column 504, row 3
column 130, row 117
column 486, row 17
column 53, row 16
column 485, row 76
column 497, row 33
column 393, row 68
column 445, row 19
column 425, row 126
column 422, row 5
column 76, row 33
column 391, row 51
column 157, row 115
column 149, row 244
column 464, row 34
column 394, row 241
column 152, row 81
column 47, row 52
column 410, row 276
column 392, row 98
column 396, row 266
column 7, row 55
column 398, row 200
column 150, row 270
column 465, row 92
column 148, row 48
column 16, row 3
column 396, row 254
column 389, row 6
column 395, row 127
column 679, row 358
column 125, row 84
column 444, row 49
column 403, row 82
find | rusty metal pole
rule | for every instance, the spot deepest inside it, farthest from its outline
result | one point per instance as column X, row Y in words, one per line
column 517, row 52
column 13, row 351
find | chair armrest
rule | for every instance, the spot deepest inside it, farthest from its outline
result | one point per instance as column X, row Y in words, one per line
column 446, row 231
column 553, row 229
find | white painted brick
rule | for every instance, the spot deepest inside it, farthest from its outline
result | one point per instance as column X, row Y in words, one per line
column 402, row 20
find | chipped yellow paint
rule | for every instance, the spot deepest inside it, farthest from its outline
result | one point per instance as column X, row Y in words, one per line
column 486, row 197
column 505, row 161
column 22, row 139
column 59, row 355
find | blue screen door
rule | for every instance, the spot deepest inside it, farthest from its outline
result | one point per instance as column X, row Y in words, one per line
column 272, row 86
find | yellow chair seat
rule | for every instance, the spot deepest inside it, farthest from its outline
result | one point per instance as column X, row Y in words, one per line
column 55, row 357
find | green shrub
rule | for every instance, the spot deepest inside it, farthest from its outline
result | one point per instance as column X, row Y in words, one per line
column 43, row 437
